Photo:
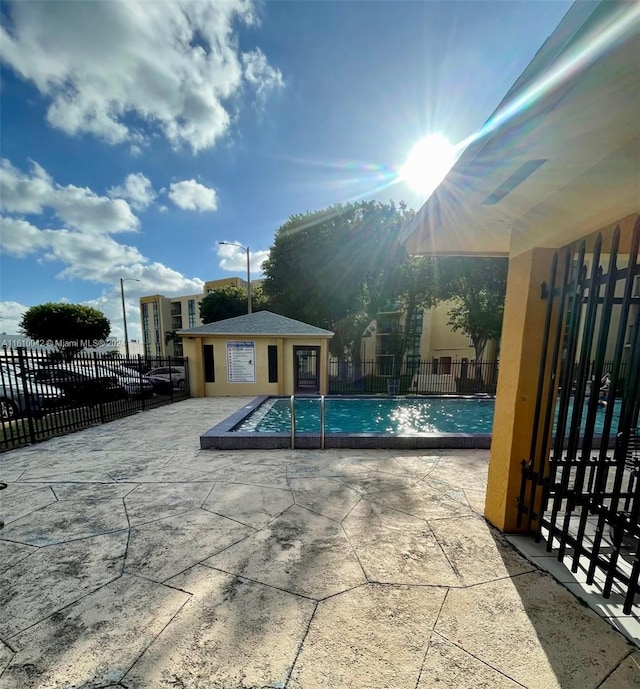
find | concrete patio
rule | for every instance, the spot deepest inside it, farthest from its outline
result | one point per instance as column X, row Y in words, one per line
column 131, row 558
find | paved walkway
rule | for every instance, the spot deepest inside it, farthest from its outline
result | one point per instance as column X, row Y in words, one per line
column 130, row 558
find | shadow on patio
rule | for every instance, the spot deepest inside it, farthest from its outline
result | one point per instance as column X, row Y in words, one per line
column 131, row 558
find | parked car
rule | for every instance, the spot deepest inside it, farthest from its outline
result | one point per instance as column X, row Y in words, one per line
column 173, row 374
column 161, row 386
column 135, row 384
column 20, row 395
column 84, row 386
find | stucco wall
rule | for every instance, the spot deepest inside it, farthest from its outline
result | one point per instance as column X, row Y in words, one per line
column 223, row 387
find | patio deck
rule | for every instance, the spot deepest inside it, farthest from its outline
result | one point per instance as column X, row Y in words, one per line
column 131, row 558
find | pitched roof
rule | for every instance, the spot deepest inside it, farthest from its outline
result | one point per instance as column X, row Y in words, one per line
column 260, row 323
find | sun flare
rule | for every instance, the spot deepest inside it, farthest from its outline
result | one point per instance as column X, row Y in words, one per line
column 428, row 163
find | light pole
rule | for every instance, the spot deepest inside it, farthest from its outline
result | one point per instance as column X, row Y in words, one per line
column 246, row 250
column 124, row 314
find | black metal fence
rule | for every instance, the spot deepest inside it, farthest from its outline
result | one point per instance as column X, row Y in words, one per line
column 580, row 488
column 43, row 394
column 443, row 376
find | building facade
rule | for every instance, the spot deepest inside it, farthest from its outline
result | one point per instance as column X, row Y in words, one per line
column 161, row 316
column 430, row 338
column 261, row 353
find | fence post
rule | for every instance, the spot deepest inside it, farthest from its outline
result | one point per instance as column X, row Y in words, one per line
column 27, row 397
column 97, row 373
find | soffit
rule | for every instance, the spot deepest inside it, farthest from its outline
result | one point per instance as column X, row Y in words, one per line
column 588, row 135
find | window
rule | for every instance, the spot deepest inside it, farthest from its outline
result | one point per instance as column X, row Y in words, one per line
column 192, row 313
column 273, row 363
column 209, row 367
column 156, row 326
column 445, row 365
column 145, row 328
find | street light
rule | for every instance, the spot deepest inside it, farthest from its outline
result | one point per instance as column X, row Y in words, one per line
column 246, row 250
column 124, row 314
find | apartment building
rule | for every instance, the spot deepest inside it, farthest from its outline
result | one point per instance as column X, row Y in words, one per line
column 431, row 339
column 161, row 316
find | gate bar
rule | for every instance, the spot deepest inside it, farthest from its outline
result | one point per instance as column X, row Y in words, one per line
column 592, row 409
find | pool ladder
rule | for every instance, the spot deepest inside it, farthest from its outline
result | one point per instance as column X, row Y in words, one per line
column 293, row 421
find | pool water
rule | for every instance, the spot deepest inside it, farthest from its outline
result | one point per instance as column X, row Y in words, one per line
column 363, row 415
column 398, row 416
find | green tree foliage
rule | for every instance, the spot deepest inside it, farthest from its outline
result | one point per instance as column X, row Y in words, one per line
column 412, row 288
column 332, row 268
column 228, row 302
column 70, row 327
column 476, row 287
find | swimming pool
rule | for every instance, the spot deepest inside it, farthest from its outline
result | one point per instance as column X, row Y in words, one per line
column 400, row 416
column 361, row 422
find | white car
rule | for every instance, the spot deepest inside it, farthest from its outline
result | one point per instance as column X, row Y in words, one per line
column 135, row 384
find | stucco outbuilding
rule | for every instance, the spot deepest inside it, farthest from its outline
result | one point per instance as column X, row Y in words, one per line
column 261, row 353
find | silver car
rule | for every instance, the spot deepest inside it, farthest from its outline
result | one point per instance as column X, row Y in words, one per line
column 20, row 396
column 175, row 374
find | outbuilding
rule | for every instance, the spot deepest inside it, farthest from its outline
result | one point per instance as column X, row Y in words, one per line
column 261, row 353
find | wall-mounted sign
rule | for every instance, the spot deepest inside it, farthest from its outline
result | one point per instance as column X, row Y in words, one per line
column 241, row 361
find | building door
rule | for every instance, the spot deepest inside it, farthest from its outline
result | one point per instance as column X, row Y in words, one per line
column 306, row 361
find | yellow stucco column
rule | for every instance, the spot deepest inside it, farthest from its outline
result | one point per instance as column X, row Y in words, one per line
column 192, row 348
column 520, row 350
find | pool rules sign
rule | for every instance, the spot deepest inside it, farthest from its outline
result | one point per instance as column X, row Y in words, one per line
column 241, row 361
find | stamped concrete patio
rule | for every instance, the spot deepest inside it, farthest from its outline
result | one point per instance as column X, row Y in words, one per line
column 131, row 558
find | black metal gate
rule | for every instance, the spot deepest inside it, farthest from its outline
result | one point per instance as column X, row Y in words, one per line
column 307, row 369
column 580, row 488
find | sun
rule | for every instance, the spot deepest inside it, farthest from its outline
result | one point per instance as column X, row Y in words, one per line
column 428, row 163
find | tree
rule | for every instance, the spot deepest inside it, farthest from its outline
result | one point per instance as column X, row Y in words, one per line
column 330, row 268
column 414, row 289
column 228, row 302
column 477, row 287
column 69, row 327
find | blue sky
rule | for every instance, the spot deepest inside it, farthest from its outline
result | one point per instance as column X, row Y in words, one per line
column 134, row 136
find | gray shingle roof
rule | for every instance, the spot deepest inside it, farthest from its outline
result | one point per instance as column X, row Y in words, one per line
column 260, row 323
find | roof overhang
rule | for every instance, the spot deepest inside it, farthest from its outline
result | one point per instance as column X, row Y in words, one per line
column 564, row 165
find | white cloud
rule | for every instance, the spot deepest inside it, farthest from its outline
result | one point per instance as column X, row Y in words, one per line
column 83, row 246
column 137, row 190
column 175, row 66
column 259, row 73
column 234, row 259
column 193, row 196
column 10, row 317
column 76, row 207
column 20, row 238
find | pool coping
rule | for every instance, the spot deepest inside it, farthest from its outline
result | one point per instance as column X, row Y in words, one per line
column 223, row 437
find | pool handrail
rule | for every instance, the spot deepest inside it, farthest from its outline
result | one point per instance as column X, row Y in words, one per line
column 292, row 404
column 293, row 422
column 322, row 418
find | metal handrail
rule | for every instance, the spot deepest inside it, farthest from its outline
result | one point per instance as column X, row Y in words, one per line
column 293, row 422
column 292, row 405
column 322, row 420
